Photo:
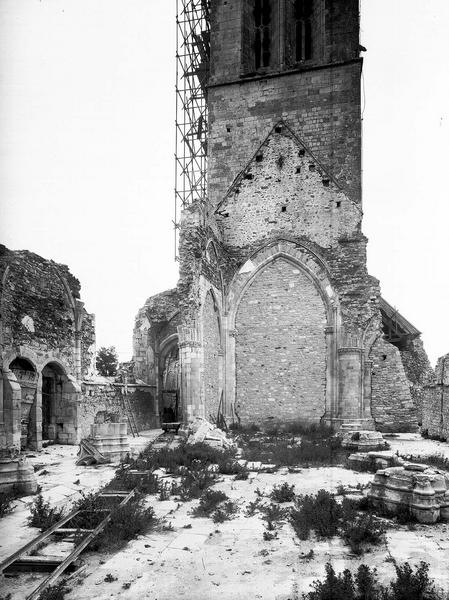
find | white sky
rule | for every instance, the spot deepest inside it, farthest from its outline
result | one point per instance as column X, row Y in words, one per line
column 87, row 142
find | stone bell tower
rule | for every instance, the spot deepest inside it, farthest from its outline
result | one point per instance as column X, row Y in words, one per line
column 277, row 318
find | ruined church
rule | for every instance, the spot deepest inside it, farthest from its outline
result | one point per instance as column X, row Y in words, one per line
column 275, row 317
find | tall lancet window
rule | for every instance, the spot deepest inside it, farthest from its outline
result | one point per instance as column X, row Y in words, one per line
column 263, row 33
column 303, row 25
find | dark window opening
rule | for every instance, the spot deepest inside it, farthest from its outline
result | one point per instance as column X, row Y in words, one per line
column 338, row 204
column 259, row 157
column 284, row 209
column 263, row 33
column 303, row 29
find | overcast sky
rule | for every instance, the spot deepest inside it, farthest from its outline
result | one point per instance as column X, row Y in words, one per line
column 87, row 141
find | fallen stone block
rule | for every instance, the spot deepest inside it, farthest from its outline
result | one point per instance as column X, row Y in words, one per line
column 422, row 490
column 17, row 474
column 363, row 441
column 373, row 461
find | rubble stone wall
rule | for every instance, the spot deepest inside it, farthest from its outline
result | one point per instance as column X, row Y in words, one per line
column 321, row 106
column 40, row 309
column 435, row 420
column 392, row 405
column 100, row 400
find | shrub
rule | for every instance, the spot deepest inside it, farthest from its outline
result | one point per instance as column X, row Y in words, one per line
column 194, row 482
column 409, row 584
column 273, row 514
column 364, row 529
column 334, row 587
column 320, row 513
column 126, row 522
column 55, row 592
column 283, row 493
column 6, row 499
column 209, row 501
column 283, row 451
column 186, row 455
column 42, row 515
column 225, row 512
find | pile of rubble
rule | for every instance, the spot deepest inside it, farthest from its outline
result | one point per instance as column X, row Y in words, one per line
column 201, row 431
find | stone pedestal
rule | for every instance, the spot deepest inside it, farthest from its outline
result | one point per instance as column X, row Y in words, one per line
column 421, row 489
column 110, row 439
column 17, row 474
column 362, row 441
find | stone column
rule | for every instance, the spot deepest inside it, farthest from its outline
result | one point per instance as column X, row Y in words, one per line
column 331, row 374
column 12, row 400
column 366, row 407
column 350, row 378
column 36, row 417
column 353, row 387
column 189, row 367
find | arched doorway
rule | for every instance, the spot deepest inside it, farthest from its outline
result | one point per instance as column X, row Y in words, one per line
column 53, row 379
column 280, row 347
column 26, row 377
column 168, row 382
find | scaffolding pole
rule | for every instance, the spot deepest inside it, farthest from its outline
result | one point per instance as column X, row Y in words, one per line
column 192, row 74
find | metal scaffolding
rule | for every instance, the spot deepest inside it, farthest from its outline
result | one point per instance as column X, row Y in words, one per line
column 192, row 73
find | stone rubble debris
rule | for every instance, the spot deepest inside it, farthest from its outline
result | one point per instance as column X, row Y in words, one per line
column 201, row 431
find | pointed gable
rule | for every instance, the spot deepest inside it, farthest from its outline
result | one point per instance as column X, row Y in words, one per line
column 284, row 190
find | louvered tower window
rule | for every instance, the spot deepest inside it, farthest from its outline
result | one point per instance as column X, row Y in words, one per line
column 303, row 14
column 263, row 33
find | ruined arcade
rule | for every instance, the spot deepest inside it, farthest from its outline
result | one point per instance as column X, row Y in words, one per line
column 275, row 317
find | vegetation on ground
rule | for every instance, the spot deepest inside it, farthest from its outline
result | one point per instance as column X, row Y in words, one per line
column 55, row 592
column 42, row 515
column 326, row 517
column 409, row 584
column 6, row 503
column 283, row 493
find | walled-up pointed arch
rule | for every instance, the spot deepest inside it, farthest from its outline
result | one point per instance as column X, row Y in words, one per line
column 283, row 317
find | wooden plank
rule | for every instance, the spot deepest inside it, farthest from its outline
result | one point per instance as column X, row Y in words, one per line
column 46, row 564
column 73, row 555
column 40, row 538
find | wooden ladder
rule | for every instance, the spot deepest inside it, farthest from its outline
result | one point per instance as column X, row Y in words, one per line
column 130, row 416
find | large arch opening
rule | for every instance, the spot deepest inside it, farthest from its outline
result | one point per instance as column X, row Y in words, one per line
column 168, row 383
column 26, row 376
column 54, row 412
column 280, row 347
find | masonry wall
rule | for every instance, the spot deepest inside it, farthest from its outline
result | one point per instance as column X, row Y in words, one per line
column 105, row 402
column 435, row 418
column 392, row 404
column 280, row 348
column 212, row 354
column 37, row 300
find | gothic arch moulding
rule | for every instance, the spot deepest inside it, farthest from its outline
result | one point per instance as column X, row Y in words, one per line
column 311, row 349
column 300, row 256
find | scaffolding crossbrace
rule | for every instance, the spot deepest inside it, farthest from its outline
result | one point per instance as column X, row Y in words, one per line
column 192, row 73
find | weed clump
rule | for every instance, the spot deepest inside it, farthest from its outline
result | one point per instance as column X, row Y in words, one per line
column 215, row 504
column 323, row 515
column 320, row 513
column 42, row 515
column 283, row 493
column 126, row 522
column 6, row 500
column 409, row 584
column 55, row 592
